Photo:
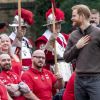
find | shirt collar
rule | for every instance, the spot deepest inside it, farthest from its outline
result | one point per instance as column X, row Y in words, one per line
column 36, row 71
column 87, row 30
column 7, row 72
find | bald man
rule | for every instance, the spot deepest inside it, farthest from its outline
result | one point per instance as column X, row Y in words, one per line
column 8, row 77
column 41, row 80
column 16, row 88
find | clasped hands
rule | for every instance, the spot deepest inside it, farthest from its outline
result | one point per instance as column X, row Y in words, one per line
column 18, row 89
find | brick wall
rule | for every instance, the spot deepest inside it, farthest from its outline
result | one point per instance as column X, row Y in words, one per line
column 12, row 1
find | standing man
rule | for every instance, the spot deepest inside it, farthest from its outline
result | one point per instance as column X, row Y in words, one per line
column 84, row 46
column 40, row 80
column 46, row 41
column 21, row 45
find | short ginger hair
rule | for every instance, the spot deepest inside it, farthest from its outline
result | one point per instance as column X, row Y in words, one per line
column 82, row 10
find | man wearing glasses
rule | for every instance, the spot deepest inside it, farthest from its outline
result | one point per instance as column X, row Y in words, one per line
column 40, row 80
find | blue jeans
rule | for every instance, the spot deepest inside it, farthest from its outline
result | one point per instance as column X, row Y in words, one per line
column 87, row 87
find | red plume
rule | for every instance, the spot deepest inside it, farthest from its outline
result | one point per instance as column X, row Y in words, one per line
column 59, row 14
column 26, row 15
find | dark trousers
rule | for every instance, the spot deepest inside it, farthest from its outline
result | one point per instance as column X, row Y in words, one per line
column 87, row 87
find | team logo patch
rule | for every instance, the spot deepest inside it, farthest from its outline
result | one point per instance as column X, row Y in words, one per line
column 35, row 77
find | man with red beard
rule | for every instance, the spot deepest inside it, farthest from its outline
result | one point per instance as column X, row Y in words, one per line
column 84, row 46
column 41, row 81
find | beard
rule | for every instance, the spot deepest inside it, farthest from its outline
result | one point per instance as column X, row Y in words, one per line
column 38, row 64
column 77, row 23
column 5, row 67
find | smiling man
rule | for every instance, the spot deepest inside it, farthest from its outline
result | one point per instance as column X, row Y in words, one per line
column 84, row 46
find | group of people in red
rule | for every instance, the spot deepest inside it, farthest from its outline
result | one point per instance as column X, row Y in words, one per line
column 26, row 75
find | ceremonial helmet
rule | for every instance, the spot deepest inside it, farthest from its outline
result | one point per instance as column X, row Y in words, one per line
column 58, row 15
column 26, row 18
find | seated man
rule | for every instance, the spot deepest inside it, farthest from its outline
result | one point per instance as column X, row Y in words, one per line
column 40, row 80
column 17, row 89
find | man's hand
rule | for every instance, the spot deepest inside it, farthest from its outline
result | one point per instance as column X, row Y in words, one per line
column 17, row 43
column 13, row 90
column 53, row 37
column 23, row 87
column 59, row 76
column 10, row 52
column 50, row 44
column 59, row 83
column 83, row 41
